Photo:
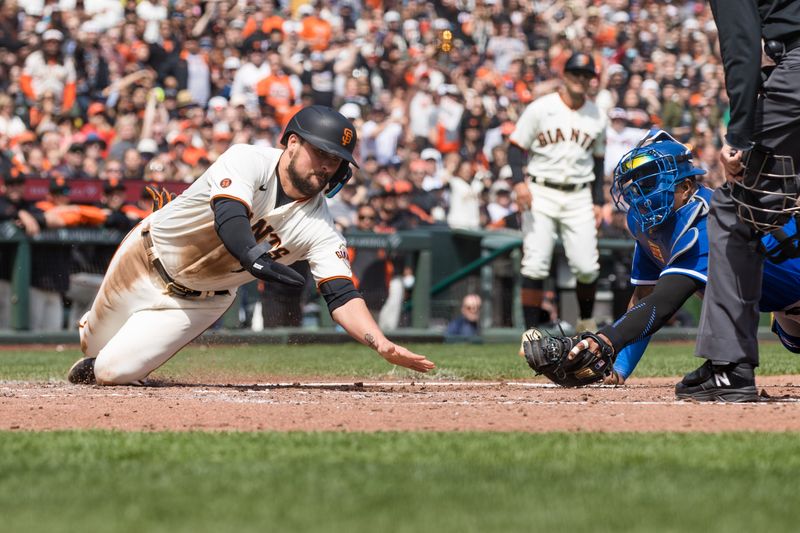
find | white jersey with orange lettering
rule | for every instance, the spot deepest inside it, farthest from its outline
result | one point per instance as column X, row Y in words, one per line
column 172, row 278
column 184, row 236
column 561, row 141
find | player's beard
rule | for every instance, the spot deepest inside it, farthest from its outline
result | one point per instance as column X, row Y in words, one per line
column 309, row 185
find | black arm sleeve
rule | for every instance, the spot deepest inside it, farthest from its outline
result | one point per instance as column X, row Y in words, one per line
column 338, row 292
column 599, row 183
column 738, row 24
column 652, row 312
column 516, row 160
column 233, row 227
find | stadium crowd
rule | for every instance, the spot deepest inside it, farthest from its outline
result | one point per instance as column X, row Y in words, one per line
column 131, row 92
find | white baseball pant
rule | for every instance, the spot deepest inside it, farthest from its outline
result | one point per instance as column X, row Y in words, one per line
column 134, row 325
column 570, row 214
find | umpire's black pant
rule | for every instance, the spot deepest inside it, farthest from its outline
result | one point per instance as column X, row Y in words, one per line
column 729, row 321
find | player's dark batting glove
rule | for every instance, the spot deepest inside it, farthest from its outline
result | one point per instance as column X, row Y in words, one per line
column 262, row 266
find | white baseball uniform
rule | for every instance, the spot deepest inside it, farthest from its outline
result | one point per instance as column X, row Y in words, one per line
column 136, row 324
column 562, row 143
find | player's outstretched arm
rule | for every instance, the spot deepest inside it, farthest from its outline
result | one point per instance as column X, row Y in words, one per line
column 649, row 309
column 356, row 319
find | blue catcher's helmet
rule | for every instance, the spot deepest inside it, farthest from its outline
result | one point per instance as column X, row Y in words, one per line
column 646, row 177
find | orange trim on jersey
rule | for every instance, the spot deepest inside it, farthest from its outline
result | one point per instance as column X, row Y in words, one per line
column 249, row 210
column 325, row 280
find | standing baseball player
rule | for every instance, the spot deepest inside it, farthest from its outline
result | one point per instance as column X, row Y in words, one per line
column 252, row 213
column 560, row 192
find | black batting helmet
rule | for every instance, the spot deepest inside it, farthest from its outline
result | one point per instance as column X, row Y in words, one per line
column 324, row 128
column 580, row 62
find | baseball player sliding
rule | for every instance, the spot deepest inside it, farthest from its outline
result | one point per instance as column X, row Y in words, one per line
column 564, row 134
column 254, row 211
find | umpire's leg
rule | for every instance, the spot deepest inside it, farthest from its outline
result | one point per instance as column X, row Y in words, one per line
column 729, row 319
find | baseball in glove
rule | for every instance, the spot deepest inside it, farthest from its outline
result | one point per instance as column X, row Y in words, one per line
column 549, row 356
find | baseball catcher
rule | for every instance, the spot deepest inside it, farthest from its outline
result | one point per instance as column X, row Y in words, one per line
column 656, row 183
column 568, row 361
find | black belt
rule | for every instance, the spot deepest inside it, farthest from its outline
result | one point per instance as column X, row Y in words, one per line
column 567, row 187
column 776, row 49
column 172, row 286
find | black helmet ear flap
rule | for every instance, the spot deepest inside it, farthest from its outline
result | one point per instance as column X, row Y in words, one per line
column 338, row 180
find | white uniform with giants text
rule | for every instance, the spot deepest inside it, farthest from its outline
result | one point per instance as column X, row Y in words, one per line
column 135, row 324
column 562, row 144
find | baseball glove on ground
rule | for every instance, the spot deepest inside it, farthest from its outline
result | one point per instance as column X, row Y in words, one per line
column 547, row 355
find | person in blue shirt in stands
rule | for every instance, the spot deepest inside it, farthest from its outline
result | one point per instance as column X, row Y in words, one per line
column 656, row 183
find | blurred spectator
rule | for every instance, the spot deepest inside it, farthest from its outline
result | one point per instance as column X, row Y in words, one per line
column 49, row 72
column 15, row 209
column 372, row 267
column 468, row 322
column 620, row 139
column 465, row 188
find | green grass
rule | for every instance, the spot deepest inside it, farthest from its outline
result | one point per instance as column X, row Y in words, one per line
column 454, row 361
column 403, row 482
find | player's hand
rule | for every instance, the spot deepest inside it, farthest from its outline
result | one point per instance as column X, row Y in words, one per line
column 524, row 196
column 731, row 160
column 263, row 267
column 397, row 355
column 589, row 344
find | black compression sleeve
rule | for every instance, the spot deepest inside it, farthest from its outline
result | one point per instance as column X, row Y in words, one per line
column 233, row 227
column 338, row 292
column 652, row 312
column 599, row 183
column 516, row 160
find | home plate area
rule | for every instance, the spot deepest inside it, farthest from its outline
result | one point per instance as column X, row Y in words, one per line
column 318, row 405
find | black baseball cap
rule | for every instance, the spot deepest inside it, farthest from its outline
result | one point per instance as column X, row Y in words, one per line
column 580, row 63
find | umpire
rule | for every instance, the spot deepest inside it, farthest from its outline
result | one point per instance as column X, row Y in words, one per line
column 764, row 126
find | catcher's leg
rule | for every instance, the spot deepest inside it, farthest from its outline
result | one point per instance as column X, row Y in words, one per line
column 787, row 328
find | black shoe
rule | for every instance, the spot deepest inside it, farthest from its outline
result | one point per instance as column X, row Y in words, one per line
column 82, row 372
column 719, row 383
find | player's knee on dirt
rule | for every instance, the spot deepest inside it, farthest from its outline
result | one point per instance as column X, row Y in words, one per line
column 790, row 342
column 106, row 373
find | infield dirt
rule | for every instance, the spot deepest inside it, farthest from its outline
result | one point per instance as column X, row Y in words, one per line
column 532, row 406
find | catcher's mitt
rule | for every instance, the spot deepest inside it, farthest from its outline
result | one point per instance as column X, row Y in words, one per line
column 547, row 355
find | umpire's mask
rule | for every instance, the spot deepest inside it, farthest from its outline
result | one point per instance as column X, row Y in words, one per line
column 766, row 196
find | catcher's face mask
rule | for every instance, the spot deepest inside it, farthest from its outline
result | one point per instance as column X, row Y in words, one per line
column 646, row 177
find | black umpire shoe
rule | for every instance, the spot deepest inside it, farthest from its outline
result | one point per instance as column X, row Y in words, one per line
column 82, row 372
column 719, row 383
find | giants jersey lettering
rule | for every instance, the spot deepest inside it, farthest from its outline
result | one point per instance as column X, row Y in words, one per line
column 184, row 236
column 562, row 142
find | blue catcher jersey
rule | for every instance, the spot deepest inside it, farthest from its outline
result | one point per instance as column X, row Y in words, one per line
column 680, row 246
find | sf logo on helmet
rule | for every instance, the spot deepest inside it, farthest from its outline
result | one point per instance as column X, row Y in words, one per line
column 347, row 136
